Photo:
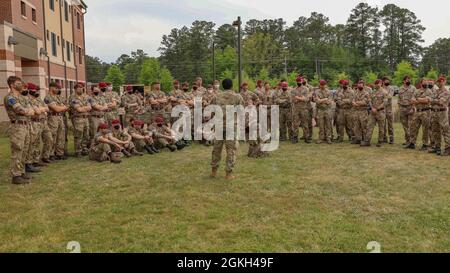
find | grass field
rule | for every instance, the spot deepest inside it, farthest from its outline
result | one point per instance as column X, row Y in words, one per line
column 304, row 198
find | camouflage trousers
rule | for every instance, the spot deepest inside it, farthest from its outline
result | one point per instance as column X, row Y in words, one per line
column 80, row 134
column 360, row 119
column 376, row 119
column 231, row 147
column 344, row 123
column 34, row 153
column 324, row 120
column 47, row 140
column 421, row 119
column 161, row 142
column 300, row 118
column 310, row 122
column 56, row 126
column 440, row 129
column 20, row 143
column 100, row 152
column 389, row 126
column 406, row 115
column 140, row 144
column 285, row 122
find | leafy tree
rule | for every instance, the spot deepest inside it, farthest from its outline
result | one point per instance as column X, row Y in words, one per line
column 370, row 77
column 432, row 74
column 96, row 69
column 166, row 80
column 438, row 56
column 150, row 71
column 115, row 77
column 404, row 69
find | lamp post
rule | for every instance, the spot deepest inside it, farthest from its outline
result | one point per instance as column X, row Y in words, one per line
column 238, row 24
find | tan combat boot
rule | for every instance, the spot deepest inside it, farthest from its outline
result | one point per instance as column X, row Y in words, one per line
column 213, row 173
column 229, row 176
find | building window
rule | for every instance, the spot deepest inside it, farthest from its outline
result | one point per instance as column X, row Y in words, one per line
column 33, row 15
column 23, row 8
column 54, row 45
column 68, row 51
column 78, row 21
column 52, row 4
column 66, row 11
column 80, row 55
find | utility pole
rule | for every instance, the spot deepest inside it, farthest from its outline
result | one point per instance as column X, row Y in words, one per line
column 214, row 60
column 238, row 24
column 285, row 65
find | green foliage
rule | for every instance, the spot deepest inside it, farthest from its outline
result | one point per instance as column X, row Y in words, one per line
column 404, row 69
column 150, row 71
column 432, row 74
column 115, row 77
column 370, row 77
column 166, row 80
column 315, row 81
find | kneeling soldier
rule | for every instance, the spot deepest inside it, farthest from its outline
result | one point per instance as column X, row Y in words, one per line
column 101, row 149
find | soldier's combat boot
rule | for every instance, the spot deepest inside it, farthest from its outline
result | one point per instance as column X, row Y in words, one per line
column 424, row 147
column 380, row 144
column 30, row 169
column 446, row 152
column 154, row 149
column 46, row 160
column 411, row 146
column 52, row 158
column 39, row 164
column 438, row 151
column 213, row 173
column 229, row 176
column 85, row 153
column 26, row 176
column 172, row 148
column 77, row 155
column 319, row 141
column 136, row 153
column 294, row 140
column 180, row 145
column 149, row 150
column 365, row 144
column 126, row 153
column 391, row 141
column 18, row 180
column 329, row 141
column 433, row 150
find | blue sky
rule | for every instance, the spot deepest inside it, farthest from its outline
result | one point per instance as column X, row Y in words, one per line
column 114, row 27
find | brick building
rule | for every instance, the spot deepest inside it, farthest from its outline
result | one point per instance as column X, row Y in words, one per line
column 42, row 41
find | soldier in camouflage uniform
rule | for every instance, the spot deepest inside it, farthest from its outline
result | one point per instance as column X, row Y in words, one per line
column 344, row 100
column 103, row 149
column 162, row 135
column 19, row 112
column 200, row 89
column 132, row 105
column 55, row 121
column 80, row 108
column 97, row 115
column 406, row 95
column 311, row 108
column 283, row 100
column 37, row 125
column 378, row 101
column 323, row 99
column 439, row 118
column 142, row 138
column 251, row 99
column 157, row 100
column 421, row 116
column 389, row 130
column 267, row 97
column 301, row 99
column 227, row 97
column 124, row 139
column 360, row 105
column 113, row 101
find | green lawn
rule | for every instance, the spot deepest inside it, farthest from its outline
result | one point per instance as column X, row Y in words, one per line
column 304, row 198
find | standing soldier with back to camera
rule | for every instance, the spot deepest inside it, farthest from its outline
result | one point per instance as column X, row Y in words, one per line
column 405, row 97
column 439, row 118
column 80, row 108
column 223, row 99
column 378, row 101
column 56, row 124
